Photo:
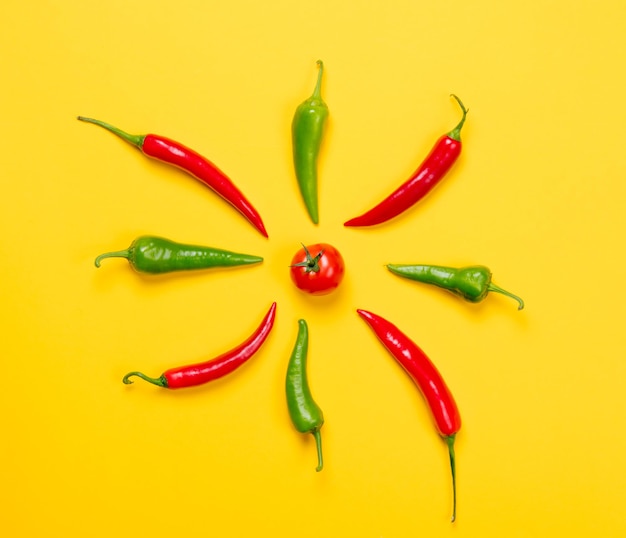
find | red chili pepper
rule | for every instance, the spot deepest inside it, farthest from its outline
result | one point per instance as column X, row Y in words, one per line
column 427, row 378
column 430, row 173
column 197, row 374
column 174, row 153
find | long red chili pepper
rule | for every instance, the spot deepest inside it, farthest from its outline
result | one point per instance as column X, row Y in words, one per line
column 427, row 378
column 174, row 153
column 428, row 174
column 197, row 374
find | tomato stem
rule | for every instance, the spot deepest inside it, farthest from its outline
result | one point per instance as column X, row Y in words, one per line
column 311, row 263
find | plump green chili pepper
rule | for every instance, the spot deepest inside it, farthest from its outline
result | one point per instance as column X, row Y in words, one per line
column 471, row 283
column 305, row 414
column 307, row 129
column 155, row 255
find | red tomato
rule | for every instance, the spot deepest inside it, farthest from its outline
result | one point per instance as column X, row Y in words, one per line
column 317, row 269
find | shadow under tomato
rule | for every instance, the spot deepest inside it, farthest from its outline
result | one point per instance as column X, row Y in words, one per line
column 305, row 302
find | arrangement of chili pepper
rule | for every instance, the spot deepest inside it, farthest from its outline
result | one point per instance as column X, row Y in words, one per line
column 203, row 372
column 307, row 130
column 432, row 170
column 174, row 153
column 428, row 380
column 306, row 415
column 155, row 255
column 471, row 283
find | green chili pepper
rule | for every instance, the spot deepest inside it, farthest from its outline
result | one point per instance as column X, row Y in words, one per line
column 305, row 414
column 307, row 130
column 471, row 283
column 155, row 255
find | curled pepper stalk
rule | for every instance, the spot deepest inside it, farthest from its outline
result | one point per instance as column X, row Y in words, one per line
column 307, row 130
column 472, row 283
column 155, row 255
column 203, row 372
column 427, row 379
column 306, row 415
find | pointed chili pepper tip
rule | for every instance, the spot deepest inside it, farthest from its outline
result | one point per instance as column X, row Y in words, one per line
column 262, row 230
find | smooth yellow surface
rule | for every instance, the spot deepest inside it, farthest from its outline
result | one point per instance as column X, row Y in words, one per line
column 537, row 195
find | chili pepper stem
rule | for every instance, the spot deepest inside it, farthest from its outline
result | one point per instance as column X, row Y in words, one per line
column 450, row 442
column 116, row 254
column 135, row 140
column 498, row 289
column 158, row 381
column 455, row 134
column 317, row 92
column 318, row 441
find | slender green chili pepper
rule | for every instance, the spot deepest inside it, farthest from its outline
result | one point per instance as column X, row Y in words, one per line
column 305, row 414
column 155, row 255
column 307, row 129
column 471, row 283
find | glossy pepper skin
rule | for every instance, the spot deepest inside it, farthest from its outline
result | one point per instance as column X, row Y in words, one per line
column 472, row 283
column 171, row 152
column 428, row 380
column 306, row 415
column 203, row 372
column 155, row 255
column 307, row 130
column 430, row 172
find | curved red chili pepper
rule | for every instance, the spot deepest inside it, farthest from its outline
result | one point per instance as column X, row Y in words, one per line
column 180, row 156
column 198, row 374
column 428, row 380
column 424, row 179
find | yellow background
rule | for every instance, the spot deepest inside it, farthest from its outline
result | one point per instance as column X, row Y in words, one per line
column 537, row 195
